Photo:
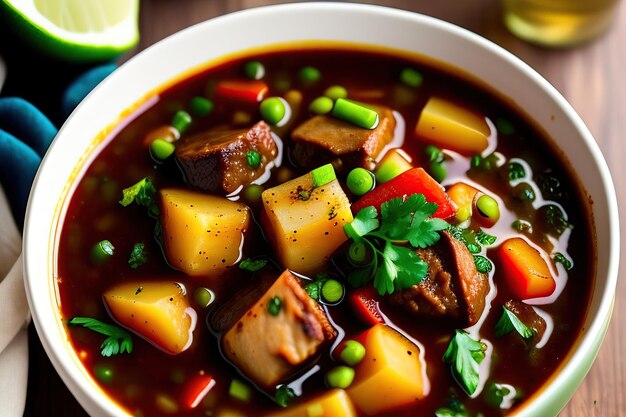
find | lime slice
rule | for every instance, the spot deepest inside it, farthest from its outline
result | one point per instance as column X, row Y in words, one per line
column 76, row 30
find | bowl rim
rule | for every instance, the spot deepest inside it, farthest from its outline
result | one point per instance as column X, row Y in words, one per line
column 99, row 402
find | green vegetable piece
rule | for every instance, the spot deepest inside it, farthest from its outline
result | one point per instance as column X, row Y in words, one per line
column 352, row 353
column 103, row 373
column 239, row 390
column 524, row 192
column 483, row 265
column 555, row 219
column 495, row 393
column 464, row 354
column 560, row 258
column 254, row 159
column 137, row 256
column 411, row 77
column 323, row 175
column 434, row 154
column 273, row 110
column 254, row 70
column 142, row 193
column 309, row 75
column 522, row 226
column 181, row 121
column 516, row 171
column 252, row 265
column 321, row 105
column 438, row 171
column 161, row 149
column 252, row 193
column 101, row 252
column 353, row 112
column 336, row 92
column 284, row 394
column 118, row 340
column 509, row 322
column 332, row 291
column 203, row 297
column 455, row 408
column 485, row 239
column 359, row 253
column 360, row 181
column 340, row 377
column 274, row 306
column 200, row 106
column 504, row 127
column 488, row 207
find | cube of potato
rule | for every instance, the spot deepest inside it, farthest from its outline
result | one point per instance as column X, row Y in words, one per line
column 333, row 403
column 202, row 234
column 390, row 375
column 157, row 311
column 463, row 195
column 451, row 126
column 277, row 334
column 305, row 223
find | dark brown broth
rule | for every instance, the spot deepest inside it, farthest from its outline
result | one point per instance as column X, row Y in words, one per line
column 93, row 214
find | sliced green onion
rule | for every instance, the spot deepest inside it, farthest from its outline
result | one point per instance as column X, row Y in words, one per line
column 254, row 70
column 336, row 92
column 201, row 106
column 321, row 105
column 309, row 74
column 254, row 159
column 355, row 113
column 340, row 377
column 102, row 251
column 203, row 297
column 352, row 353
column 360, row 181
column 181, row 121
column 239, row 390
column 359, row 253
column 323, row 175
column 161, row 149
column 332, row 291
column 273, row 110
column 411, row 77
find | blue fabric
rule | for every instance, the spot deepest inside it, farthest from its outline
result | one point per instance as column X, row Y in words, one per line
column 26, row 133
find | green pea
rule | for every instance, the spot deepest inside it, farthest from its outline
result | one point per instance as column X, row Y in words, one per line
column 101, row 251
column 360, row 181
column 336, row 91
column 203, row 297
column 181, row 121
column 103, row 373
column 273, row 110
column 254, row 70
column 201, row 106
column 340, row 377
column 438, row 171
column 252, row 193
column 352, row 353
column 488, row 208
column 524, row 192
column 434, row 153
column 309, row 75
column 254, row 159
column 411, row 77
column 321, row 105
column 355, row 113
column 332, row 291
column 161, row 149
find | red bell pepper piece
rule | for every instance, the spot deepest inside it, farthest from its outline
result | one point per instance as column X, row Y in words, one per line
column 195, row 390
column 365, row 306
column 252, row 91
column 413, row 181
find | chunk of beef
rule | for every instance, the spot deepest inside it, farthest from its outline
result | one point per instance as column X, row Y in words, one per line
column 528, row 316
column 452, row 287
column 323, row 139
column 267, row 347
column 217, row 160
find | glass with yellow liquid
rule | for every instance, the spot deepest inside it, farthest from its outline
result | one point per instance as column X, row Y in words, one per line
column 558, row 22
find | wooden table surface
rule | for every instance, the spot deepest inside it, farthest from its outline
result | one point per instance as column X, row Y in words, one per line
column 592, row 77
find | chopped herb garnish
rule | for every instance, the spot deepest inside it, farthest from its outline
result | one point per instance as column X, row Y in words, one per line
column 555, row 219
column 560, row 258
column 142, row 193
column 509, row 322
column 118, row 340
column 473, row 248
column 455, row 408
column 483, row 265
column 516, row 171
column 485, row 239
column 394, row 267
column 504, row 127
column 252, row 265
column 522, row 226
column 314, row 289
column 464, row 354
column 495, row 393
column 284, row 395
column 274, row 306
column 254, row 159
column 137, row 256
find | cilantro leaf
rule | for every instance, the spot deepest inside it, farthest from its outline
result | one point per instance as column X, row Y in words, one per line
column 509, row 322
column 365, row 221
column 118, row 340
column 142, row 193
column 137, row 256
column 560, row 258
column 464, row 354
column 314, row 288
column 252, row 265
column 555, row 219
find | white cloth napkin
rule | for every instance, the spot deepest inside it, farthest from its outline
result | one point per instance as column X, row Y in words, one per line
column 14, row 314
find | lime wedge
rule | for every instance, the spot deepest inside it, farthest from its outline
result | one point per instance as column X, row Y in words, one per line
column 75, row 30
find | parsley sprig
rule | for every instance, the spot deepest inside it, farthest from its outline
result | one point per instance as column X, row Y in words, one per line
column 118, row 340
column 394, row 266
column 509, row 322
column 464, row 354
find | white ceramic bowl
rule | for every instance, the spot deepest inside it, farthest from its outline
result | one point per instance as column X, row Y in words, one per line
column 193, row 47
